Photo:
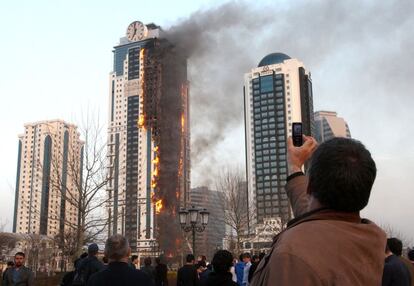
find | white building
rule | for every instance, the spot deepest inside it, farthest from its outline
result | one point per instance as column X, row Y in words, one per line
column 49, row 164
column 148, row 133
column 276, row 93
column 328, row 125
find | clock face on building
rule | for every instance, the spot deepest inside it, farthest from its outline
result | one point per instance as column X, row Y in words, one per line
column 136, row 31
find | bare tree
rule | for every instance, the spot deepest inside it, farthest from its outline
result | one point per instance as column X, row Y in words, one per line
column 392, row 231
column 231, row 182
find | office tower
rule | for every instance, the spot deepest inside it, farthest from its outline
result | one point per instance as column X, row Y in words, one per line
column 276, row 93
column 148, row 139
column 211, row 239
column 49, row 165
column 328, row 125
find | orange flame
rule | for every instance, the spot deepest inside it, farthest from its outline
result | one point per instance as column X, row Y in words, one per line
column 182, row 123
column 158, row 206
column 141, row 121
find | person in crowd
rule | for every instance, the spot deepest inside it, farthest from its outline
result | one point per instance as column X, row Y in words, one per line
column 134, row 262
column 256, row 259
column 326, row 203
column 233, row 270
column 105, row 261
column 221, row 276
column 187, row 275
column 411, row 256
column 10, row 265
column 148, row 269
column 19, row 275
column 118, row 272
column 239, row 269
column 395, row 272
column 396, row 246
column 246, row 269
column 161, row 271
column 88, row 266
column 202, row 271
column 67, row 279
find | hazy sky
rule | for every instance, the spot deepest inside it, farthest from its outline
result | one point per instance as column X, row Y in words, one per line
column 56, row 56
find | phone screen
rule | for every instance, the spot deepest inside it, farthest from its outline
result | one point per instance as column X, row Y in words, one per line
column 297, row 134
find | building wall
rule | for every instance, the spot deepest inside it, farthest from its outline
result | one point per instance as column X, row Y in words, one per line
column 48, row 151
column 275, row 96
column 329, row 125
column 211, row 239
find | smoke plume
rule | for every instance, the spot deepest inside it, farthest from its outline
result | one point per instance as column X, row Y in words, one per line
column 359, row 53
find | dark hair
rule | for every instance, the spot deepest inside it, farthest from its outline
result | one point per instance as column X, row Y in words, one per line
column 395, row 245
column 241, row 257
column 158, row 260
column 83, row 255
column 10, row 263
column 133, row 257
column 222, row 261
column 20, row 254
column 105, row 259
column 147, row 261
column 201, row 263
column 254, row 257
column 341, row 174
column 203, row 258
column 189, row 258
column 411, row 255
column 246, row 255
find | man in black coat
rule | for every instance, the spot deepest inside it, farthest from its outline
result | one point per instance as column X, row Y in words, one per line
column 88, row 266
column 118, row 273
column 395, row 272
column 187, row 275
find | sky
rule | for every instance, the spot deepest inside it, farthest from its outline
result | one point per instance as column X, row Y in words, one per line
column 56, row 57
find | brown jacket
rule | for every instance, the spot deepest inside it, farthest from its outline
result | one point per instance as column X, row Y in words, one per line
column 323, row 247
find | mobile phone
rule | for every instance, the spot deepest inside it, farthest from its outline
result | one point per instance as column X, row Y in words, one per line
column 297, row 134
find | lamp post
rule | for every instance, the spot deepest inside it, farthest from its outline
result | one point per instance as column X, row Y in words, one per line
column 191, row 215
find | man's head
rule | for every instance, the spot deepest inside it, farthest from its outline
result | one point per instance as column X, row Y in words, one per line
column 93, row 249
column 246, row 257
column 158, row 260
column 190, row 259
column 19, row 259
column 395, row 245
column 10, row 264
column 134, row 259
column 222, row 261
column 117, row 248
column 255, row 258
column 147, row 261
column 341, row 174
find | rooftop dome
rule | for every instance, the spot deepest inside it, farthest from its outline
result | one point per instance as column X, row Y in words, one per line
column 273, row 58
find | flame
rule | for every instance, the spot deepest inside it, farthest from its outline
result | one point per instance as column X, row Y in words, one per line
column 141, row 121
column 158, row 206
column 182, row 123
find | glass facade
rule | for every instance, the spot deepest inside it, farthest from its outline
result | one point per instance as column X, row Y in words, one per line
column 120, row 53
column 64, row 179
column 131, row 209
column 269, row 121
column 16, row 198
column 44, row 205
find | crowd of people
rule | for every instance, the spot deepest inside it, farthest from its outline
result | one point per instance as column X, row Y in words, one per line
column 327, row 243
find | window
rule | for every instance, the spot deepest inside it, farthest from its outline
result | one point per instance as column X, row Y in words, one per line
column 266, row 83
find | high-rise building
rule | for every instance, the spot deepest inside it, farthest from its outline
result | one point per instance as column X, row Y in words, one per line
column 328, row 125
column 148, row 139
column 49, row 163
column 276, row 93
column 211, row 239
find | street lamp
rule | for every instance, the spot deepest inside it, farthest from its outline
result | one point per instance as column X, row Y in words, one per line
column 192, row 215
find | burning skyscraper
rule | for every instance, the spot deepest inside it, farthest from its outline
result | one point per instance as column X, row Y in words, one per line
column 148, row 140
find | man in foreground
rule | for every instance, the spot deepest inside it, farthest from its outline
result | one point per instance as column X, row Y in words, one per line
column 19, row 275
column 327, row 243
column 88, row 266
column 118, row 273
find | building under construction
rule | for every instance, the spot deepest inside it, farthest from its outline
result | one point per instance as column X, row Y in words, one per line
column 148, row 140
